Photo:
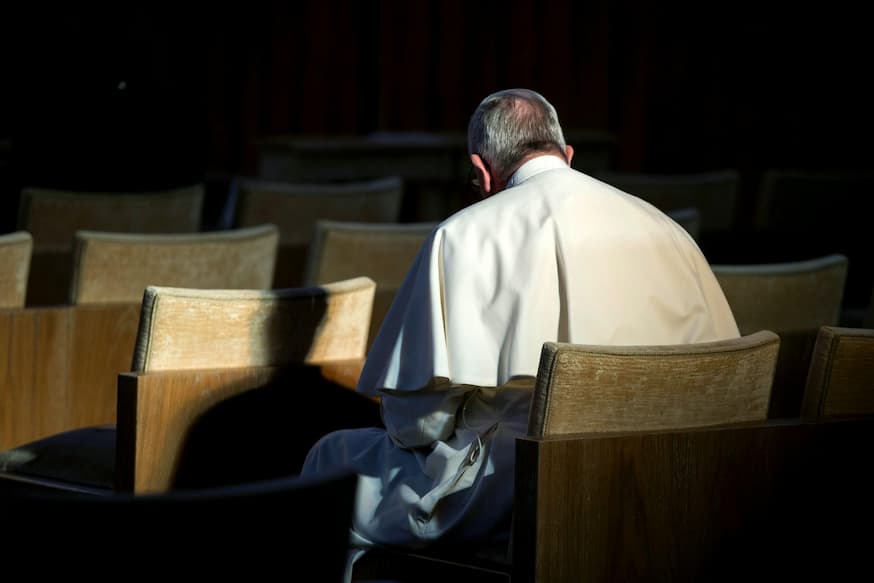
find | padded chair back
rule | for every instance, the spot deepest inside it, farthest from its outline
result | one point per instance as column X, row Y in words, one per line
column 841, row 377
column 295, row 208
column 15, row 252
column 117, row 267
column 714, row 194
column 186, row 328
column 251, row 531
column 784, row 297
column 54, row 216
column 585, row 388
column 383, row 252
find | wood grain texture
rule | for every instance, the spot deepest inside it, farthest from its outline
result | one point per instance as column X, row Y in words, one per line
column 58, row 368
column 157, row 412
column 841, row 376
column 15, row 253
column 777, row 499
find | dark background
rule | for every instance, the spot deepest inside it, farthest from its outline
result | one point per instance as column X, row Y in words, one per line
column 147, row 95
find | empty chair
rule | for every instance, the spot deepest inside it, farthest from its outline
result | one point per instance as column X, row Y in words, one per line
column 792, row 299
column 383, row 252
column 841, row 375
column 715, row 194
column 191, row 329
column 53, row 217
column 252, row 531
column 295, row 208
column 15, row 254
column 117, row 267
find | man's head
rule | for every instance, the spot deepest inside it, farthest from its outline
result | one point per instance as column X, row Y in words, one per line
column 507, row 129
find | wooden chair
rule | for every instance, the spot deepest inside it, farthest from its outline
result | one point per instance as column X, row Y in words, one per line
column 295, row 208
column 184, row 329
column 715, row 194
column 382, row 251
column 15, row 253
column 841, row 376
column 53, row 217
column 793, row 299
column 587, row 390
column 117, row 267
column 251, row 531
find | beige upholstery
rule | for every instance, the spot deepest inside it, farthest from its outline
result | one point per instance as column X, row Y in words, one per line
column 785, row 297
column 383, row 252
column 841, row 377
column 54, row 216
column 582, row 388
column 296, row 207
column 117, row 267
column 15, row 253
column 715, row 194
column 689, row 218
column 183, row 329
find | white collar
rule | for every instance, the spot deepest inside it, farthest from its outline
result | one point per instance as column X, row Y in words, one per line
column 535, row 166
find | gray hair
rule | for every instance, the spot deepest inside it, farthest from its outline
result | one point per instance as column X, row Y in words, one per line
column 509, row 125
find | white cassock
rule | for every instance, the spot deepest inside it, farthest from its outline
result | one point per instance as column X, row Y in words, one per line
column 557, row 256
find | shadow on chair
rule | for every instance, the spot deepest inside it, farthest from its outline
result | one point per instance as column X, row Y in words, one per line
column 15, row 254
column 841, row 376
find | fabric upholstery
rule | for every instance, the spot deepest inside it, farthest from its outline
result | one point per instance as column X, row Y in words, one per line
column 295, row 208
column 383, row 252
column 841, row 378
column 15, row 253
column 54, row 216
column 183, row 328
column 785, row 297
column 715, row 194
column 117, row 267
column 584, row 388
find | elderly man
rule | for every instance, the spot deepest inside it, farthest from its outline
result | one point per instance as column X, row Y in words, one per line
column 550, row 254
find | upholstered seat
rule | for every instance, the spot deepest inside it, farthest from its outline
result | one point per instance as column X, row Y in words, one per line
column 190, row 329
column 295, row 208
column 592, row 389
column 841, row 375
column 53, row 217
column 792, row 299
column 117, row 267
column 15, row 253
column 383, row 252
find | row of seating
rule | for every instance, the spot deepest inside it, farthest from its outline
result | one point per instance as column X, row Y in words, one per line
column 728, row 381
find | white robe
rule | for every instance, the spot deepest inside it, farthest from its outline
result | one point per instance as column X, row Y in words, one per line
column 557, row 256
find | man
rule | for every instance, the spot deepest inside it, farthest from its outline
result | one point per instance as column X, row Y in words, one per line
column 550, row 254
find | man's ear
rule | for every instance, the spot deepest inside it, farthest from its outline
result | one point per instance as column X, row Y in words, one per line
column 482, row 174
column 569, row 152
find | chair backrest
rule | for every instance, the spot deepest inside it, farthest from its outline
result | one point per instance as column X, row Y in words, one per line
column 841, row 377
column 54, row 216
column 15, row 253
column 251, row 530
column 585, row 388
column 186, row 328
column 715, row 194
column 295, row 208
column 117, row 267
column 383, row 252
column 689, row 218
column 782, row 297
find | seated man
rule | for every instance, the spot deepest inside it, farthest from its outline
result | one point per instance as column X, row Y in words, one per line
column 550, row 254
